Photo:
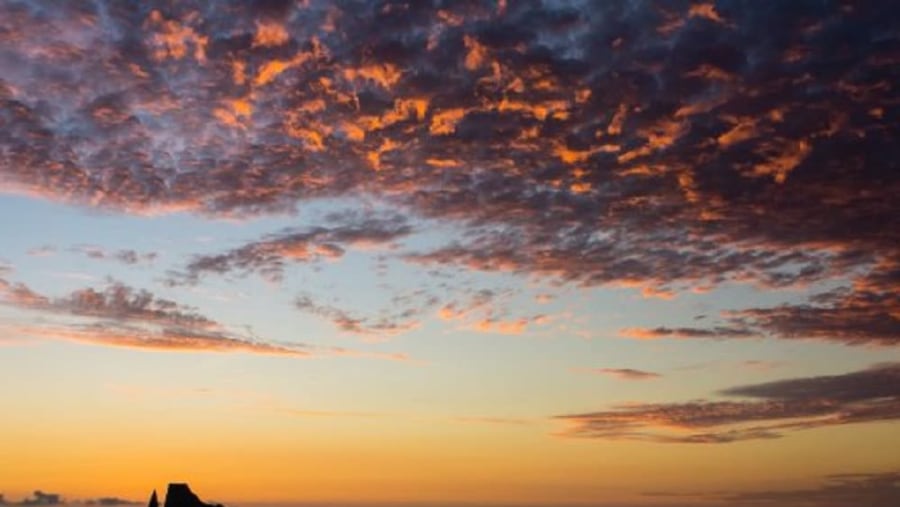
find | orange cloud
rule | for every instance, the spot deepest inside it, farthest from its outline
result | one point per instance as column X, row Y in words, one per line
column 476, row 54
column 270, row 34
column 172, row 39
column 781, row 164
column 164, row 340
column 705, row 11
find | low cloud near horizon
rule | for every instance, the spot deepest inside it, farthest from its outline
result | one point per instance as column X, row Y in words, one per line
column 761, row 411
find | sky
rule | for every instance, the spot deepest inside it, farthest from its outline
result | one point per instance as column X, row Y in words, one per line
column 515, row 252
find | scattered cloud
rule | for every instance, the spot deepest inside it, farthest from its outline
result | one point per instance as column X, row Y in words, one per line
column 388, row 322
column 268, row 256
column 121, row 316
column 760, row 411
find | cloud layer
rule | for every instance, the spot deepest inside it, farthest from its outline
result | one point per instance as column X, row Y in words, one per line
column 654, row 145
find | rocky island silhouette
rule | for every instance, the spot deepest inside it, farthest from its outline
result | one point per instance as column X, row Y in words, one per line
column 180, row 495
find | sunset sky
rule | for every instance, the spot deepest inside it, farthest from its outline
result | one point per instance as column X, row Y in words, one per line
column 606, row 253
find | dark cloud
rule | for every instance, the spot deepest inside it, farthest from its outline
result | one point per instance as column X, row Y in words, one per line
column 653, row 145
column 867, row 312
column 881, row 381
column 772, row 408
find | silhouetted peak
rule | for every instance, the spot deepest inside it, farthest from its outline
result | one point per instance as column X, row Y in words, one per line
column 154, row 502
column 180, row 495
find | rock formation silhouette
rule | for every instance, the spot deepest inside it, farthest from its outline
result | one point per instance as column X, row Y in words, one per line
column 180, row 495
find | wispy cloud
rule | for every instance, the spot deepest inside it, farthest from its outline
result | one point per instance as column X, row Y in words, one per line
column 641, row 333
column 621, row 373
column 121, row 316
column 125, row 256
column 178, row 340
column 761, row 410
column 385, row 324
column 269, row 255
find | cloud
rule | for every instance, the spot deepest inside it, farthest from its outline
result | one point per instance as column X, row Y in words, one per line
column 116, row 302
column 387, row 323
column 867, row 312
column 762, row 411
column 641, row 333
column 624, row 373
column 125, row 256
column 268, row 256
column 42, row 251
column 716, row 154
column 122, row 316
column 166, row 339
column 488, row 311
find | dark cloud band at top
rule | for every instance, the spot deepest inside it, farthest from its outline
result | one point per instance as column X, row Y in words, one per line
column 658, row 145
